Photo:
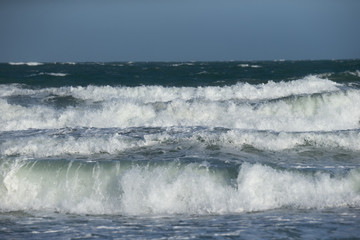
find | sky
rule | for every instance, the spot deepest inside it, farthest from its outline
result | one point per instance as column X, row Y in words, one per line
column 178, row 30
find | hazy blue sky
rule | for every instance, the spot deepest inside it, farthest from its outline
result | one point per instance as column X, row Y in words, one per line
column 178, row 30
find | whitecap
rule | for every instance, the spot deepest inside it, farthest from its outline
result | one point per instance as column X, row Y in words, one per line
column 26, row 63
column 114, row 188
column 60, row 142
column 56, row 74
column 355, row 73
column 309, row 104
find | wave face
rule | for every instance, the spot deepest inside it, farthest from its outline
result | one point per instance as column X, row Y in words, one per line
column 115, row 188
column 179, row 138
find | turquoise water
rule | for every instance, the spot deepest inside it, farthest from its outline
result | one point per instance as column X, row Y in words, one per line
column 180, row 150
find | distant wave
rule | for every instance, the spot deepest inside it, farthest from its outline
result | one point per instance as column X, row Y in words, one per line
column 355, row 73
column 245, row 65
column 182, row 64
column 54, row 74
column 26, row 63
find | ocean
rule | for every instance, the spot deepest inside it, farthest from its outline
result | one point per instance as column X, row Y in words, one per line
column 180, row 150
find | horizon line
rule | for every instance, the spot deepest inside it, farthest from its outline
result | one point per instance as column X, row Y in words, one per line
column 172, row 61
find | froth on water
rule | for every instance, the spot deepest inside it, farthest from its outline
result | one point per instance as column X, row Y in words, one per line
column 309, row 104
column 265, row 149
column 169, row 188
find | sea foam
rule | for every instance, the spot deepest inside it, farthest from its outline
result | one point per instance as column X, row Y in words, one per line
column 26, row 63
column 112, row 188
column 309, row 104
column 86, row 142
column 146, row 94
column 315, row 112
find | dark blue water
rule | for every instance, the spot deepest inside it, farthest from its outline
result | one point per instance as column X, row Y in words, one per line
column 244, row 150
column 173, row 74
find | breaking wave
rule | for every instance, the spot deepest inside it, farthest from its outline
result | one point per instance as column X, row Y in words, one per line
column 153, row 149
column 26, row 63
column 309, row 104
column 63, row 142
column 118, row 188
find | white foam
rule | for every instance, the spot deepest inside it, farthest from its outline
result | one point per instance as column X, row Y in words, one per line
column 263, row 187
column 182, row 64
column 62, row 142
column 271, row 90
column 191, row 189
column 34, row 64
column 55, row 74
column 245, row 65
column 326, row 112
column 315, row 105
column 16, row 63
column 355, row 73
column 278, row 141
column 26, row 63
column 53, row 145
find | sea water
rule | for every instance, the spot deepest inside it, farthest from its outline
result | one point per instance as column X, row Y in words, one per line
column 242, row 150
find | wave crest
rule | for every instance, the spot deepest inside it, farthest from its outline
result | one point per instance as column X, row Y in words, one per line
column 109, row 188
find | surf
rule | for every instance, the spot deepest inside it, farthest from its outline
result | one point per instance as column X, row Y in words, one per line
column 114, row 141
column 171, row 188
column 303, row 105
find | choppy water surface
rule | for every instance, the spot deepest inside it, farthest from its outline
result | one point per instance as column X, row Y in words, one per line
column 180, row 150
